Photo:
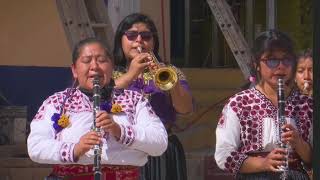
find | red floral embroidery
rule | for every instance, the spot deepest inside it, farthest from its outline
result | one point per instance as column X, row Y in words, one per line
column 66, row 152
column 252, row 107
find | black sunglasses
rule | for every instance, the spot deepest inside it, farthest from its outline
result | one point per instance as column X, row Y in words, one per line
column 273, row 63
column 133, row 35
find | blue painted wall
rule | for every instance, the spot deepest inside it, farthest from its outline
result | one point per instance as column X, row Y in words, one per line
column 30, row 86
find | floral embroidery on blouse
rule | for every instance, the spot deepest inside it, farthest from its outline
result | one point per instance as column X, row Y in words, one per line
column 251, row 107
column 123, row 101
column 61, row 119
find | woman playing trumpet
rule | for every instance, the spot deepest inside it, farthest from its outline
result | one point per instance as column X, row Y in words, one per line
column 61, row 131
column 304, row 74
column 248, row 133
column 135, row 38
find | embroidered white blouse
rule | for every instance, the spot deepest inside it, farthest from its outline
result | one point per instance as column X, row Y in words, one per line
column 142, row 132
column 248, row 124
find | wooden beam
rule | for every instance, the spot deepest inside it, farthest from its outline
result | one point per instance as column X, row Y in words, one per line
column 233, row 34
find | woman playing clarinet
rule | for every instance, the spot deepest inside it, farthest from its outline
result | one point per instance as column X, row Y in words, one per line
column 249, row 131
column 63, row 132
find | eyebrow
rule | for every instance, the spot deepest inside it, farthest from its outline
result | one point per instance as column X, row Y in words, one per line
column 94, row 55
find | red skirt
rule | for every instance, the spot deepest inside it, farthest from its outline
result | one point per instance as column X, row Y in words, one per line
column 85, row 172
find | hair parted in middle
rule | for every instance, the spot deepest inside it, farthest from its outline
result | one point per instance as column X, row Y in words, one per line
column 125, row 24
column 268, row 42
column 91, row 40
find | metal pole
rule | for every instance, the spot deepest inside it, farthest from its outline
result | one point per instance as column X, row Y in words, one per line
column 271, row 14
column 187, row 33
column 249, row 22
column 316, row 85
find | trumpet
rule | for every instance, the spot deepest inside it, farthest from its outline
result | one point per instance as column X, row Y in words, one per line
column 165, row 78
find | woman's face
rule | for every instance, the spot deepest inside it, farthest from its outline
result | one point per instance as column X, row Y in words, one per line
column 274, row 65
column 304, row 75
column 92, row 61
column 139, row 35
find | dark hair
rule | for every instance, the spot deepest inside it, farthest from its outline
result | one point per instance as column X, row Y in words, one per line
column 307, row 53
column 268, row 42
column 126, row 24
column 91, row 40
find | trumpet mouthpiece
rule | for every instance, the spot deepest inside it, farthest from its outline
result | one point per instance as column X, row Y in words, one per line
column 139, row 49
column 305, row 85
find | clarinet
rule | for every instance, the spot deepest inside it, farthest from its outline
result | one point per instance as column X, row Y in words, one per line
column 282, row 121
column 97, row 148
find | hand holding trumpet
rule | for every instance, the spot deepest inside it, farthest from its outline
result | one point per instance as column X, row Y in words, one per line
column 138, row 64
column 164, row 77
column 141, row 62
column 152, row 66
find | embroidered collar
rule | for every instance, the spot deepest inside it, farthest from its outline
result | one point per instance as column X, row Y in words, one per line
column 146, row 88
column 107, row 104
column 143, row 84
column 106, row 93
column 61, row 120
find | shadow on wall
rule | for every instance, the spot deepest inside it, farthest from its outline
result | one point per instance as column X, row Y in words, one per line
column 30, row 86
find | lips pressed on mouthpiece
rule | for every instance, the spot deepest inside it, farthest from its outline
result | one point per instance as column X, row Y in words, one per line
column 139, row 49
column 305, row 85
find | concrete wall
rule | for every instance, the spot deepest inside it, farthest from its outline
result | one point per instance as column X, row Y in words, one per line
column 31, row 34
column 153, row 9
column 34, row 53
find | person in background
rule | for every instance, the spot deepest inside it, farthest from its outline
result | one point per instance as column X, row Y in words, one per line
column 304, row 78
column 61, row 131
column 247, row 134
column 304, row 74
column 136, row 44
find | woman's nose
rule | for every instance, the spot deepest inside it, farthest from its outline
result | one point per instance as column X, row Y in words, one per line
column 139, row 38
column 282, row 66
column 307, row 75
column 94, row 64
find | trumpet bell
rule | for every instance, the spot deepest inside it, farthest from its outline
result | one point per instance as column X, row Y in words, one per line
column 165, row 78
